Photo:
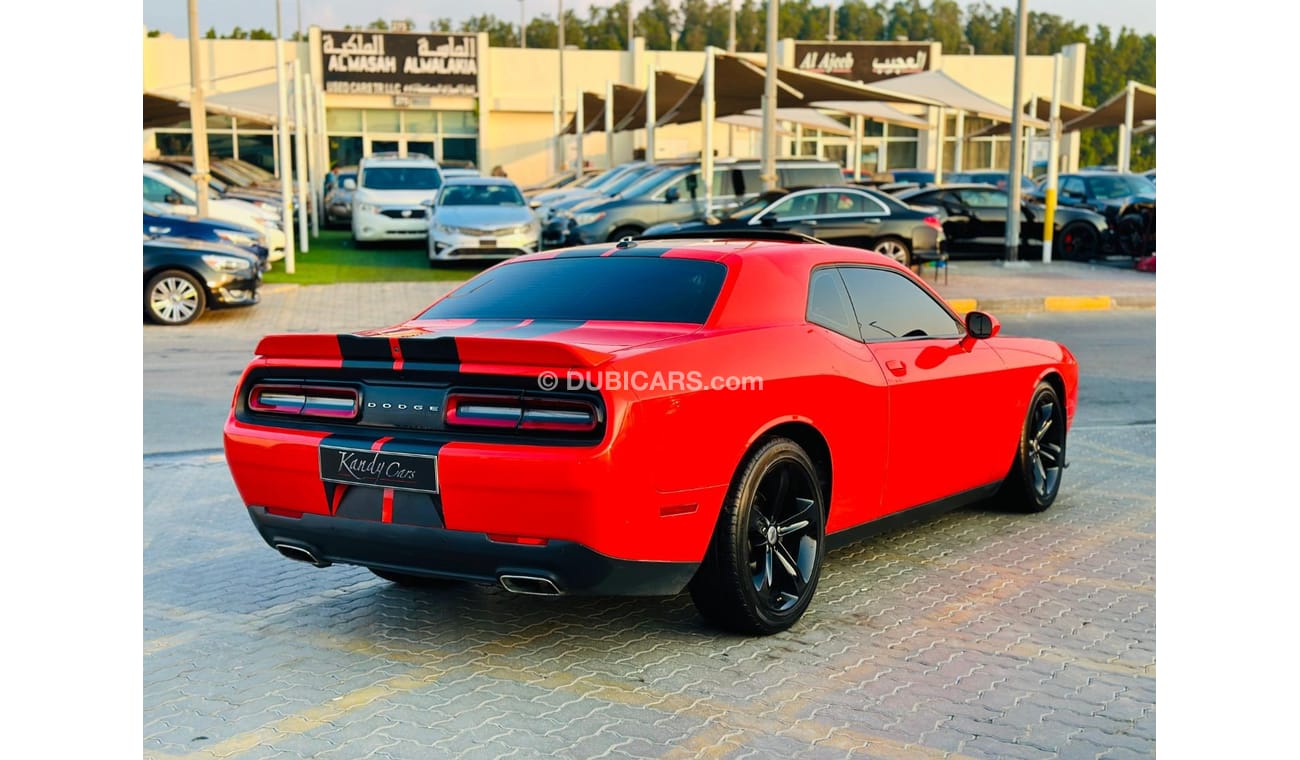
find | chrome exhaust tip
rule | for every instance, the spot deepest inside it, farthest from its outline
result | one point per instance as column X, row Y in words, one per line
column 529, row 584
column 300, row 554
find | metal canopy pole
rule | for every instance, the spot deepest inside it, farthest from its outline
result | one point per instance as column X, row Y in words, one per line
column 650, row 114
column 198, row 117
column 559, row 138
column 1013, row 185
column 579, row 126
column 857, row 147
column 286, row 198
column 1126, row 131
column 313, row 150
column 609, row 124
column 300, row 154
column 706, row 115
column 769, row 101
column 1053, row 146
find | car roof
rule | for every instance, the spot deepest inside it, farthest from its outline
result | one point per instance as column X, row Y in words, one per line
column 466, row 179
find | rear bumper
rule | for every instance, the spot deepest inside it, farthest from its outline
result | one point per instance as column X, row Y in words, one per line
column 571, row 567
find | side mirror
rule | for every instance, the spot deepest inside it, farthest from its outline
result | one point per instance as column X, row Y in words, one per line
column 349, row 184
column 427, row 202
column 534, row 204
column 173, row 199
column 672, row 196
column 770, row 220
column 982, row 325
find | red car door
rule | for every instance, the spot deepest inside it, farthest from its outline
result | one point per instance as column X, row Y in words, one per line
column 944, row 389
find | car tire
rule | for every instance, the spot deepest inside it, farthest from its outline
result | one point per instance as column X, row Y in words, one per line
column 761, row 568
column 174, row 298
column 895, row 248
column 623, row 232
column 1130, row 234
column 411, row 581
column 1035, row 477
column 1079, row 241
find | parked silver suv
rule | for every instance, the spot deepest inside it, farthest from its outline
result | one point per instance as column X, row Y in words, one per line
column 393, row 197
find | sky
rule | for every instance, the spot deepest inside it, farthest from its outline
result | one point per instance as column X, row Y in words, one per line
column 170, row 15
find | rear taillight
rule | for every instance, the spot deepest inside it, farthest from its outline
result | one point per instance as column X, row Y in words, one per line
column 305, row 401
column 933, row 221
column 521, row 412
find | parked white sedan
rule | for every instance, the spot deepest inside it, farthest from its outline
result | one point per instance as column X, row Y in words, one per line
column 481, row 218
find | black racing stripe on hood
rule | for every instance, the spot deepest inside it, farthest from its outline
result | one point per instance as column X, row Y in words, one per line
column 355, row 348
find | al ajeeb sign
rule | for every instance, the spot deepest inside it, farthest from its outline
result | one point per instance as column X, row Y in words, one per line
column 864, row 62
column 389, row 63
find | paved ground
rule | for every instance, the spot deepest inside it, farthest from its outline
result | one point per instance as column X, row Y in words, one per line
column 979, row 634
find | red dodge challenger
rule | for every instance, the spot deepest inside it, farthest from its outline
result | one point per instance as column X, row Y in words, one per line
column 645, row 417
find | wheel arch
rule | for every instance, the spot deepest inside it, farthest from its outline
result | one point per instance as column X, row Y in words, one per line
column 809, row 438
column 154, row 271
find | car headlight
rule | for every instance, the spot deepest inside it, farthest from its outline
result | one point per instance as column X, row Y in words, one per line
column 590, row 218
column 367, row 208
column 226, row 263
column 236, row 238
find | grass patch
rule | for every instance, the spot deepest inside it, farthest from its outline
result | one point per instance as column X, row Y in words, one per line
column 333, row 257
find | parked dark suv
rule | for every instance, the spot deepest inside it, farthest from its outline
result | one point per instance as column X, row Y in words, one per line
column 674, row 194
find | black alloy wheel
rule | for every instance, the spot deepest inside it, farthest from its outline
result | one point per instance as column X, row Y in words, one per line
column 1035, row 477
column 1078, row 242
column 762, row 567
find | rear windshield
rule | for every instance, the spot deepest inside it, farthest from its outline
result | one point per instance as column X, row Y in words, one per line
column 600, row 288
column 402, row 178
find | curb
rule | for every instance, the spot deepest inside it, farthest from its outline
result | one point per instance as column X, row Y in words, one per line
column 1052, row 303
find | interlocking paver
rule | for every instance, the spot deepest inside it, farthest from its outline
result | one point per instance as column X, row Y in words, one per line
column 978, row 634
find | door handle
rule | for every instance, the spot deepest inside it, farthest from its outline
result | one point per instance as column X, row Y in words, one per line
column 897, row 367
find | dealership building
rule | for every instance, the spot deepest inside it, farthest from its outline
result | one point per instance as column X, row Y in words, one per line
column 454, row 97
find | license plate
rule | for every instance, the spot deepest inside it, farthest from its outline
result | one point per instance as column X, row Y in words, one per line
column 487, row 243
column 380, row 469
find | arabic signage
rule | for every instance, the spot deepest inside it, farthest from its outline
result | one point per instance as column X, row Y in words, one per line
column 379, row 63
column 864, row 62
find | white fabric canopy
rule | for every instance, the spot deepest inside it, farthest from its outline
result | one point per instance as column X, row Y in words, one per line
column 808, row 117
column 746, row 121
column 943, row 89
column 875, row 111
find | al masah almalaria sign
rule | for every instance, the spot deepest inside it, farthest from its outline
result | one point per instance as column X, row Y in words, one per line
column 399, row 63
column 864, row 62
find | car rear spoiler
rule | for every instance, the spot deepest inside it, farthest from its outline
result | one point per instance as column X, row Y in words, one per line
column 419, row 347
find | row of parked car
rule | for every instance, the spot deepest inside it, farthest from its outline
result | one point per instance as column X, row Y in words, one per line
column 193, row 264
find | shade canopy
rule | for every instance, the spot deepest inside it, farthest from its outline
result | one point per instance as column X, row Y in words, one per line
column 943, row 90
column 746, row 121
column 1111, row 113
column 593, row 113
column 874, row 111
column 808, row 117
column 669, row 88
column 161, row 110
column 739, row 86
column 1044, row 112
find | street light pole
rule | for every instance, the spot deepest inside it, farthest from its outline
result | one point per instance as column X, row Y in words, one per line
column 523, row 26
column 559, row 43
column 198, row 117
column 286, row 196
column 830, row 35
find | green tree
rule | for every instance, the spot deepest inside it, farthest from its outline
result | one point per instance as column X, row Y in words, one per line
column 855, row 20
column 211, row 33
column 157, row 33
column 656, row 23
column 379, row 25
column 440, row 25
column 500, row 33
column 260, row 34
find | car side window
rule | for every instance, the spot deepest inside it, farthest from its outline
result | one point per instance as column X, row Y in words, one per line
column 858, row 204
column 828, row 303
column 155, row 191
column 889, row 306
column 687, row 186
column 1073, row 186
column 795, row 206
column 983, row 198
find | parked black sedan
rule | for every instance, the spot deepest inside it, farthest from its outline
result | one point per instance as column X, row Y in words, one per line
column 185, row 277
column 853, row 216
column 975, row 222
column 1128, row 201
